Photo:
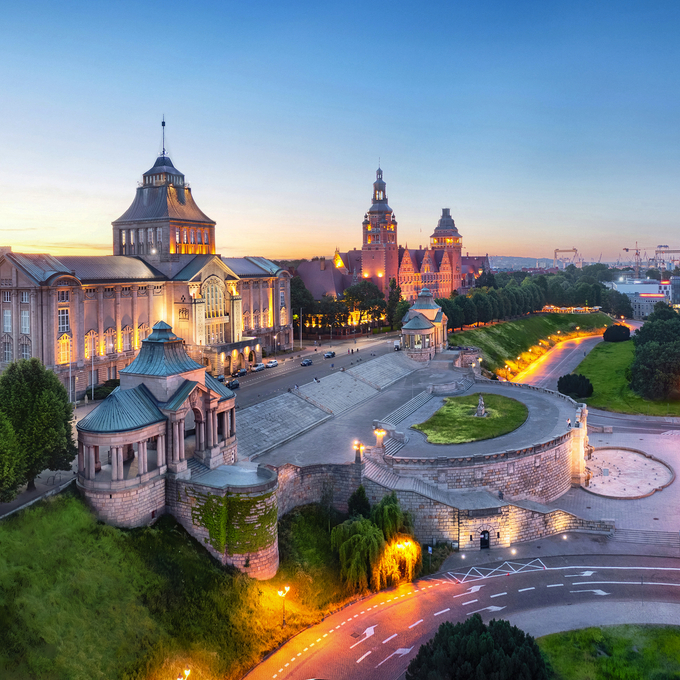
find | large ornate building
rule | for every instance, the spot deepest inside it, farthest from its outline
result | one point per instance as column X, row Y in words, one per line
column 85, row 316
column 440, row 267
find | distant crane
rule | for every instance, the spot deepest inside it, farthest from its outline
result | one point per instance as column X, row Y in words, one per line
column 638, row 259
column 567, row 250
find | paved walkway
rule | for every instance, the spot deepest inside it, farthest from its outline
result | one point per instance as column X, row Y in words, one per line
column 338, row 392
column 386, row 370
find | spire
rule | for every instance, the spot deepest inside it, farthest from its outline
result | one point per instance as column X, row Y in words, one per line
column 163, row 128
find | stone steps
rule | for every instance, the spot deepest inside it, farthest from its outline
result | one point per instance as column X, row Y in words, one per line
column 392, row 446
column 197, row 468
column 407, row 409
column 667, row 538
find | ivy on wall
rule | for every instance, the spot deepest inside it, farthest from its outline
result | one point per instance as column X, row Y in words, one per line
column 234, row 522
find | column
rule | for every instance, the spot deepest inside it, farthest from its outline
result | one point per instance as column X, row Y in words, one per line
column 90, row 462
column 209, row 422
column 135, row 319
column 16, row 321
column 121, row 469
column 175, row 442
column 35, row 334
column 119, row 339
column 149, row 300
column 215, row 428
column 200, row 435
column 141, row 458
column 101, row 350
column 114, row 463
column 160, row 450
column 78, row 311
column 181, row 439
column 81, row 458
column 54, row 324
column 232, row 432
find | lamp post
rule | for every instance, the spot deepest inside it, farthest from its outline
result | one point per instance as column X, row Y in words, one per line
column 358, row 450
column 275, row 336
column 506, row 372
column 282, row 595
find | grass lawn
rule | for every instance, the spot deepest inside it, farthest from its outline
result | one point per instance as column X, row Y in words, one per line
column 80, row 600
column 455, row 421
column 606, row 366
column 507, row 340
column 626, row 652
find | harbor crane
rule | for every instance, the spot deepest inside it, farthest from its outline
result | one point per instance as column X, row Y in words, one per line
column 638, row 259
column 565, row 250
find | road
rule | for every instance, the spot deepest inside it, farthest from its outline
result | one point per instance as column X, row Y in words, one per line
column 258, row 387
column 377, row 637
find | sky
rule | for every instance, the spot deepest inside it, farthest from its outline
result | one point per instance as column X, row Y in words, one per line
column 540, row 125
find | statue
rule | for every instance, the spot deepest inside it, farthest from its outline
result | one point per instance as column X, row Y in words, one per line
column 481, row 410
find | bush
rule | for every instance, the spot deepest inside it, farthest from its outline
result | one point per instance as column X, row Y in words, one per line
column 473, row 650
column 103, row 391
column 358, row 503
column 617, row 333
column 575, row 385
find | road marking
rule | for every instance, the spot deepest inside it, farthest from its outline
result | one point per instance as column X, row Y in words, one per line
column 319, row 640
column 361, row 658
column 354, row 617
column 585, row 573
column 443, row 611
column 367, row 634
column 311, row 644
column 280, row 670
column 306, row 648
column 498, row 594
column 391, row 637
column 624, row 583
column 486, row 609
column 401, row 652
column 470, row 602
column 325, row 635
column 363, row 612
column 597, row 592
column 299, row 653
column 285, row 665
column 555, row 585
column 524, row 590
column 472, row 589
column 413, row 625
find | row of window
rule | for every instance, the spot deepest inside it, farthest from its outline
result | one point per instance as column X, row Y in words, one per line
column 25, row 321
column 23, row 296
column 193, row 236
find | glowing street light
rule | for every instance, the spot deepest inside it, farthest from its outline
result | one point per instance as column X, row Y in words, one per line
column 282, row 595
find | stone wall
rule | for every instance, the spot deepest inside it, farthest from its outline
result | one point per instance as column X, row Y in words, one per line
column 133, row 507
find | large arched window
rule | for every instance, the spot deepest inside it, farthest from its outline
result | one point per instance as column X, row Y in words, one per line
column 127, row 339
column 91, row 339
column 214, row 300
column 110, row 340
column 64, row 349
column 143, row 331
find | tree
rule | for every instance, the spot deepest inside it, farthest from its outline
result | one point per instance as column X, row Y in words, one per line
column 37, row 406
column 359, row 543
column 653, row 274
column 483, row 307
column 662, row 312
column 486, row 280
column 616, row 333
column 12, row 461
column 393, row 299
column 618, row 304
column 402, row 307
column 469, row 311
column 472, row 651
column 388, row 516
column 300, row 298
column 366, row 298
column 575, row 385
column 655, row 371
column 358, row 503
column 333, row 312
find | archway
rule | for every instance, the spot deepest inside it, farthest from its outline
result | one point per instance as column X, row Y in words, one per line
column 484, row 542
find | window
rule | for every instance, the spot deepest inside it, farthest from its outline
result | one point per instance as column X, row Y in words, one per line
column 110, row 340
column 283, row 298
column 199, row 237
column 206, row 240
column 24, row 297
column 7, row 320
column 111, row 373
column 25, row 348
column 91, row 345
column 184, row 235
column 7, row 351
column 176, row 235
column 143, row 331
column 214, row 301
column 63, row 321
column 149, row 235
column 25, row 321
column 191, row 236
column 64, row 349
column 6, row 296
column 127, row 339
column 159, row 237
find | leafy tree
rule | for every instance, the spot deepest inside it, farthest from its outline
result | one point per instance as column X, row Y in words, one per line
column 486, row 280
column 662, row 312
column 402, row 307
column 472, row 651
column 575, row 385
column 653, row 274
column 12, row 461
column 393, row 299
column 617, row 333
column 333, row 312
column 618, row 304
column 483, row 307
column 300, row 298
column 358, row 503
column 661, row 330
column 359, row 543
column 366, row 298
column 388, row 516
column 655, row 371
column 38, row 409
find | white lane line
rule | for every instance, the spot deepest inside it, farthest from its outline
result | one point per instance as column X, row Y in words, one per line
column 470, row 602
column 624, row 583
column 498, row 594
column 413, row 625
column 391, row 637
column 363, row 612
column 319, row 640
column 555, row 585
column 311, row 644
column 361, row 658
column 524, row 590
column 443, row 611
column 306, row 648
column 325, row 635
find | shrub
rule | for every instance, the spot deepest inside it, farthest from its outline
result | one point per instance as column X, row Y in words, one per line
column 617, row 333
column 103, row 391
column 358, row 503
column 575, row 385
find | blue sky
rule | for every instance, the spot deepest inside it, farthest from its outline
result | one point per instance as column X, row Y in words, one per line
column 541, row 125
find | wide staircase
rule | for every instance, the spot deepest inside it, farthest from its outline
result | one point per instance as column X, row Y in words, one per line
column 407, row 409
column 670, row 539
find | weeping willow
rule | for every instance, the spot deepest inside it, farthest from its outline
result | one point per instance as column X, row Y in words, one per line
column 400, row 560
column 359, row 543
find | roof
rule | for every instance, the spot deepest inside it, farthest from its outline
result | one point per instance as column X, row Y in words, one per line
column 39, row 266
column 162, row 354
column 177, row 400
column 320, row 282
column 122, row 411
column 417, row 323
column 163, row 164
column 195, row 266
column 110, row 268
column 446, row 222
column 250, row 267
column 425, row 300
column 216, row 386
column 164, row 202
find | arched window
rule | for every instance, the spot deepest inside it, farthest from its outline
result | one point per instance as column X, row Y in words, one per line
column 159, row 237
column 91, row 339
column 206, row 237
column 192, row 237
column 110, row 340
column 256, row 319
column 214, row 300
column 199, row 237
column 246, row 320
column 64, row 349
column 143, row 331
column 184, row 236
column 25, row 348
column 127, row 339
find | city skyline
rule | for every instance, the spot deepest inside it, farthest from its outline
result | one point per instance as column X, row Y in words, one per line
column 540, row 128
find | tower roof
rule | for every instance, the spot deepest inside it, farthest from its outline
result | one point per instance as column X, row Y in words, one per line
column 425, row 300
column 164, row 164
column 379, row 204
column 446, row 224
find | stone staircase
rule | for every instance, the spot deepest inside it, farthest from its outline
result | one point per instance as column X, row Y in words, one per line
column 670, row 539
column 465, row 384
column 407, row 409
column 392, row 446
column 197, row 468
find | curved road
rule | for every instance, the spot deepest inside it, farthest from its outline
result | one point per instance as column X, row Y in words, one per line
column 377, row 637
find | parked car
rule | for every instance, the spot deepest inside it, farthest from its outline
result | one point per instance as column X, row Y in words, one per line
column 220, row 378
column 233, row 384
column 238, row 373
column 306, row 362
column 257, row 367
column 329, row 355
column 271, row 363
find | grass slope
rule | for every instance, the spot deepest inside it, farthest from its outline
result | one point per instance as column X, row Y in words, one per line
column 606, row 366
column 80, row 600
column 455, row 421
column 509, row 339
column 626, row 652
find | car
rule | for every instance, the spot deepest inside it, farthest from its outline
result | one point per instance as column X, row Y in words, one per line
column 233, row 384
column 257, row 367
column 220, row 378
column 306, row 362
column 271, row 363
column 239, row 372
column 329, row 355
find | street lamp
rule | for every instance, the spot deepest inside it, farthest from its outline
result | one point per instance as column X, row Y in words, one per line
column 506, row 371
column 275, row 336
column 282, row 595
